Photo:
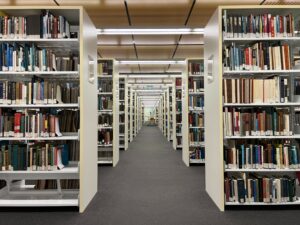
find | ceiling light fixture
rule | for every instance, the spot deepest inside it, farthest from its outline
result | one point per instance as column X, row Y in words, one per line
column 151, row 62
column 166, row 31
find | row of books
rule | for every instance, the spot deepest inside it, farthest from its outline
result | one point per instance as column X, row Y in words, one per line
column 33, row 124
column 52, row 184
column 196, row 120
column 197, row 153
column 250, row 90
column 105, row 119
column 38, row 91
column 68, row 120
column 179, row 106
column 255, row 188
column 196, row 101
column 18, row 57
column 262, row 156
column 196, row 135
column 178, row 82
column 105, row 67
column 178, row 118
column 257, row 56
column 263, row 25
column 195, row 85
column 105, row 137
column 105, row 85
column 178, row 95
column 256, row 122
column 43, row 25
column 105, row 102
column 105, row 155
column 195, row 68
column 179, row 140
column 32, row 157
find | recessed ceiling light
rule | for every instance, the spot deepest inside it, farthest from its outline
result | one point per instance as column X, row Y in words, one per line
column 165, row 31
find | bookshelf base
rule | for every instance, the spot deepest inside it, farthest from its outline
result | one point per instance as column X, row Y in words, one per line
column 103, row 162
column 261, row 203
column 38, row 202
column 197, row 161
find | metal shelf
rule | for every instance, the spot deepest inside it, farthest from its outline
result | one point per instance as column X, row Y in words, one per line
column 67, row 105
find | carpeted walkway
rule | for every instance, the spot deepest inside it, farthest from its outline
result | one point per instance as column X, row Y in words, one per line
column 151, row 186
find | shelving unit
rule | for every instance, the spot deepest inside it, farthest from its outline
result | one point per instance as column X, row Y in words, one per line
column 177, row 140
column 76, row 146
column 171, row 109
column 108, row 112
column 127, row 114
column 122, row 114
column 131, row 113
column 193, row 151
column 220, row 169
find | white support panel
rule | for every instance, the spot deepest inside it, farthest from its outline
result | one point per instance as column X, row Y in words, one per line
column 116, row 127
column 88, row 112
column 214, row 171
column 185, row 117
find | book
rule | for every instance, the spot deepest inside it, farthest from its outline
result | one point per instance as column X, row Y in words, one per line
column 257, row 56
column 257, row 26
column 249, row 188
column 262, row 155
column 250, row 90
column 257, row 122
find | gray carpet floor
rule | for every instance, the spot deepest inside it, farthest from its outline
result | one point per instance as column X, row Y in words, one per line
column 151, row 186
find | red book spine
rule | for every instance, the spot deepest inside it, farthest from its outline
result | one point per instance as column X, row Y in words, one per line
column 281, row 24
column 272, row 27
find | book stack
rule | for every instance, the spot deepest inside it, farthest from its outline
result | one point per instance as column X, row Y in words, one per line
column 105, row 86
column 108, row 119
column 260, row 141
column 196, row 119
column 265, row 25
column 195, row 85
column 266, row 155
column 19, row 57
column 258, row 56
column 105, row 67
column 257, row 122
column 253, row 188
column 250, row 90
column 34, row 157
column 193, row 143
column 46, row 26
column 105, row 102
column 196, row 102
column 196, row 68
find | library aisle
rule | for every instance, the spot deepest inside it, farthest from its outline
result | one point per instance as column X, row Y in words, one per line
column 150, row 186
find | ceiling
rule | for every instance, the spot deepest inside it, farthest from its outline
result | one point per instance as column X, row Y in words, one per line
column 149, row 14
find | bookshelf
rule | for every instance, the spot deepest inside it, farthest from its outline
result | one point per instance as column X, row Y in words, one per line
column 177, row 142
column 143, row 115
column 127, row 114
column 122, row 114
column 174, row 112
column 131, row 113
column 232, row 149
column 165, row 113
column 193, row 112
column 70, row 181
column 108, row 112
column 135, row 114
column 171, row 116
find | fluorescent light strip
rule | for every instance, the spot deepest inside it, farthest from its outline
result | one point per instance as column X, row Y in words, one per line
column 151, row 62
column 165, row 31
